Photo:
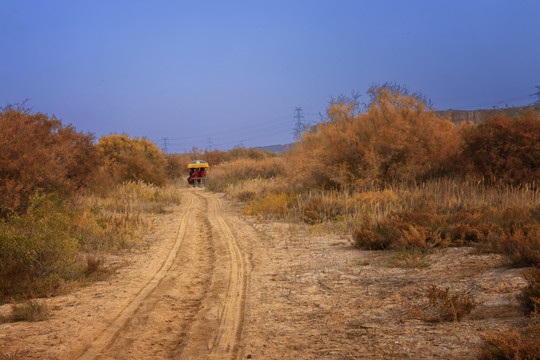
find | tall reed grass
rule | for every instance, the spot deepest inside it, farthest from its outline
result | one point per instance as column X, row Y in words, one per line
column 446, row 194
column 439, row 212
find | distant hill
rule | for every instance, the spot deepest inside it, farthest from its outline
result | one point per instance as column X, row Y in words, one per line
column 456, row 116
column 477, row 116
column 279, row 149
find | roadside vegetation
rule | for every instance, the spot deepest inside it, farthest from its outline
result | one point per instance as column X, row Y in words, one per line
column 66, row 201
column 389, row 173
column 394, row 176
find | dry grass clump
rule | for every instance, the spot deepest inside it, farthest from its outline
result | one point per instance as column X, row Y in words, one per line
column 409, row 259
column 246, row 191
column 118, row 220
column 315, row 208
column 29, row 310
column 512, row 344
column 438, row 213
column 271, row 205
column 137, row 195
column 511, row 231
column 17, row 355
column 518, row 343
column 444, row 305
column 530, row 297
column 237, row 170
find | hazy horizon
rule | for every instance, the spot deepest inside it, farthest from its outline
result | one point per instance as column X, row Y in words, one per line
column 222, row 74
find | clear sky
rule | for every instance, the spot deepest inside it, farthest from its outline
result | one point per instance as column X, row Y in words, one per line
column 215, row 74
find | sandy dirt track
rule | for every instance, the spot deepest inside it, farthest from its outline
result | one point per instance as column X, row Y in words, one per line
column 213, row 284
column 183, row 298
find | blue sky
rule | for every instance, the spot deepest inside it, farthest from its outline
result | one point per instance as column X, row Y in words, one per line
column 216, row 74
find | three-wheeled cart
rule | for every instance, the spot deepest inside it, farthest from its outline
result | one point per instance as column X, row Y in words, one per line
column 197, row 172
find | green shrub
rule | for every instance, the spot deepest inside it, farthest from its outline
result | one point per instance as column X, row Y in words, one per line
column 37, row 245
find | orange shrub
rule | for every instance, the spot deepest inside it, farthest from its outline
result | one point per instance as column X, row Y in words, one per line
column 503, row 148
column 512, row 231
column 39, row 154
column 176, row 165
column 516, row 344
column 134, row 159
column 213, row 157
column 247, row 153
column 395, row 140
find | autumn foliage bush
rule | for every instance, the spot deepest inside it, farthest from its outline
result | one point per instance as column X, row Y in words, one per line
column 176, row 166
column 39, row 154
column 125, row 158
column 396, row 140
column 503, row 149
column 47, row 221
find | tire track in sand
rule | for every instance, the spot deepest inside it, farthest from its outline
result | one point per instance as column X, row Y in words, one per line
column 108, row 335
column 217, row 330
column 231, row 314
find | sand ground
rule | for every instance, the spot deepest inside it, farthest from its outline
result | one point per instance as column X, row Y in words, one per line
column 213, row 284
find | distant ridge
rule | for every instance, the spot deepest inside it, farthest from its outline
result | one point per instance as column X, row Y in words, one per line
column 455, row 116
column 279, row 149
column 477, row 116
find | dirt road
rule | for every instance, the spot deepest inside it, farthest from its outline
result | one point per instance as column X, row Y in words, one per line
column 213, row 284
column 183, row 299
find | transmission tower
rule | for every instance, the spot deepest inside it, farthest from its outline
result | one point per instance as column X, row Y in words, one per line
column 165, row 144
column 299, row 125
column 537, row 94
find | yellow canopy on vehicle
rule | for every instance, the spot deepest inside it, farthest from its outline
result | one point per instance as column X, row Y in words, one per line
column 197, row 164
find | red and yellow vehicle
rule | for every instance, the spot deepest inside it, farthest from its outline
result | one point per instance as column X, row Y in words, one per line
column 197, row 172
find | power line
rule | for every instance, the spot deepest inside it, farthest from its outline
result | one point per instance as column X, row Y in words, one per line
column 537, row 94
column 262, row 129
column 239, row 134
column 237, row 140
column 237, row 130
column 494, row 102
column 165, row 145
column 299, row 125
